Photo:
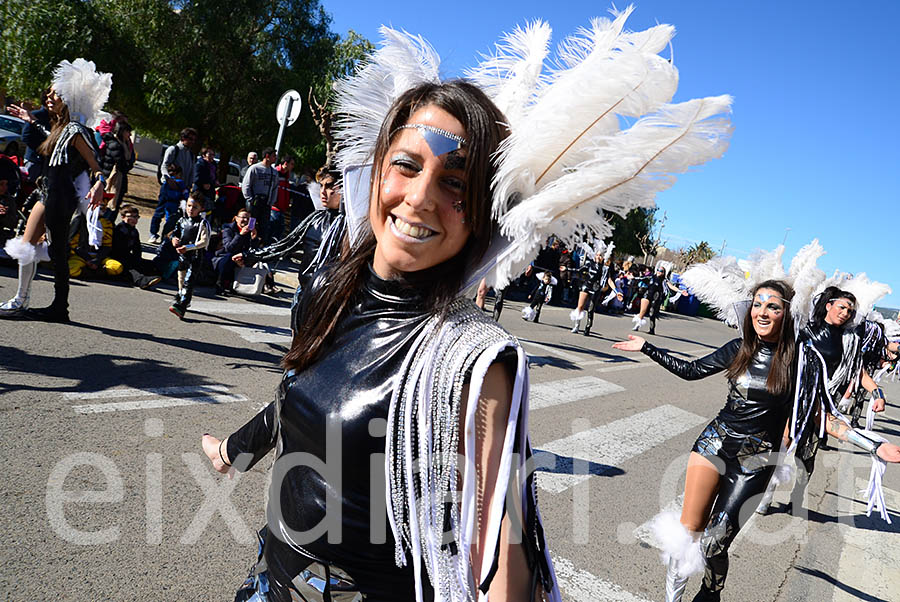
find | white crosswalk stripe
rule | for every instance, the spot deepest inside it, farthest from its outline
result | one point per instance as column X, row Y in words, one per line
column 246, row 309
column 261, row 334
column 579, row 585
column 155, row 398
column 129, row 392
column 552, row 393
column 611, row 444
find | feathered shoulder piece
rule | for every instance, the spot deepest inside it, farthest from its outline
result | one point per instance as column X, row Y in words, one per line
column 84, row 89
column 725, row 284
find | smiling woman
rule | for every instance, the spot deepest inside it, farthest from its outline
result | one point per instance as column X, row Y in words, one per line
column 371, row 330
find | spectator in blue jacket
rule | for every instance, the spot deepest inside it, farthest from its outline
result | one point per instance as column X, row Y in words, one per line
column 237, row 238
column 172, row 191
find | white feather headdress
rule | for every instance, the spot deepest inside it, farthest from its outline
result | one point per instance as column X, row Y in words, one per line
column 867, row 292
column 725, row 284
column 568, row 159
column 84, row 89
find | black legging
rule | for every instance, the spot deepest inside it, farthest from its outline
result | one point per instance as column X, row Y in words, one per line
column 731, row 510
column 59, row 206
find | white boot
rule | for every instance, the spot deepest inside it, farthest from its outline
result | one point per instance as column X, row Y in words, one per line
column 680, row 551
column 675, row 583
column 576, row 317
column 27, row 255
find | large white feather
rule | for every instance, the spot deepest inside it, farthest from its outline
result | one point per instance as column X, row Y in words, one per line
column 84, row 89
column 403, row 61
column 512, row 75
column 603, row 74
column 625, row 171
column 721, row 284
column 804, row 276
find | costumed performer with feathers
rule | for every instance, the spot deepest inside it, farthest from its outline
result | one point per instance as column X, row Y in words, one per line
column 410, row 401
column 736, row 455
column 78, row 93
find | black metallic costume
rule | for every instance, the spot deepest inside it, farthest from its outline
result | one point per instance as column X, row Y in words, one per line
column 595, row 277
column 191, row 232
column 739, row 441
column 304, row 240
column 343, row 401
column 370, row 344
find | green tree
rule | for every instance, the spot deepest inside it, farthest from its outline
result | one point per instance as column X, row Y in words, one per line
column 217, row 65
column 698, row 253
column 633, row 234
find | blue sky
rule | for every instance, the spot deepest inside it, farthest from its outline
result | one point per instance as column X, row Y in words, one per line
column 816, row 86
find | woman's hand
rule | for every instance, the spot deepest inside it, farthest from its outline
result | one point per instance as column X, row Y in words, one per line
column 211, row 447
column 95, row 194
column 878, row 405
column 633, row 344
column 20, row 112
column 888, row 452
column 238, row 259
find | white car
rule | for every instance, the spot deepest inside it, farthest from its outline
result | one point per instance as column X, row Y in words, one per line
column 11, row 129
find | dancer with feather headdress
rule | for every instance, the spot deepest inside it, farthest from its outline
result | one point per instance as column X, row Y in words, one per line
column 438, row 197
column 596, row 281
column 735, row 457
column 77, row 95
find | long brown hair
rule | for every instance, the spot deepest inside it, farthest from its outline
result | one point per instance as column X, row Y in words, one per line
column 336, row 288
column 780, row 377
column 57, row 124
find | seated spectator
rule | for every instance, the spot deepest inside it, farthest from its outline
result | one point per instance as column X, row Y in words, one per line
column 171, row 194
column 126, row 248
column 89, row 260
column 237, row 238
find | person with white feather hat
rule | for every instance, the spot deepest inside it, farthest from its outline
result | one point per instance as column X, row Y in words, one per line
column 735, row 457
column 78, row 93
column 430, row 394
column 596, row 280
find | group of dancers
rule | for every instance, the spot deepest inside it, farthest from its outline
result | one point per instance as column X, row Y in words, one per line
column 410, row 404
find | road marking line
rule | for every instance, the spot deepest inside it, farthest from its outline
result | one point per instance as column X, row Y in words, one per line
column 229, row 307
column 545, row 395
column 554, row 351
column 614, row 443
column 582, row 586
column 624, row 366
column 261, row 334
column 161, row 402
column 130, row 392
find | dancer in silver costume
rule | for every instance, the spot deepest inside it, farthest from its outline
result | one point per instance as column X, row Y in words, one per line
column 734, row 457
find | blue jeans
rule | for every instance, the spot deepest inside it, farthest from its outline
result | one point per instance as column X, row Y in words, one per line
column 170, row 210
column 276, row 224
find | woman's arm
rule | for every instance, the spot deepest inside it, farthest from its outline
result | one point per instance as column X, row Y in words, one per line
column 513, row 576
column 872, row 387
column 255, row 438
column 715, row 362
column 841, row 430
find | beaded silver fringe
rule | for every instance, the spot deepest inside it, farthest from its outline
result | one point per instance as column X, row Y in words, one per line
column 441, row 360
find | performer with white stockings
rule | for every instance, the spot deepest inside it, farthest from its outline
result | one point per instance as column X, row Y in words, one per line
column 78, row 92
column 596, row 280
column 735, row 456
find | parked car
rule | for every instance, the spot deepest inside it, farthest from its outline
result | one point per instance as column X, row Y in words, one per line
column 234, row 173
column 11, row 129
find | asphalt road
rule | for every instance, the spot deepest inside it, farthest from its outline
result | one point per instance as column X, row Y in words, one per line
column 106, row 495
